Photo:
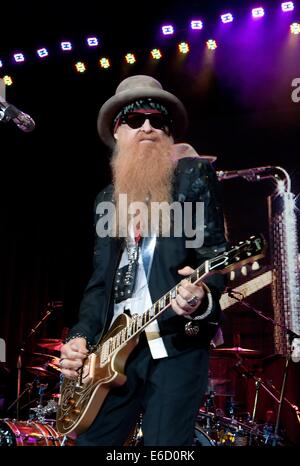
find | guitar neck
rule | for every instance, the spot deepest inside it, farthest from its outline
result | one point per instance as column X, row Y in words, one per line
column 139, row 322
column 237, row 256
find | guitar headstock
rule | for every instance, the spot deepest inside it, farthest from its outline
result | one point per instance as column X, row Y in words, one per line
column 244, row 253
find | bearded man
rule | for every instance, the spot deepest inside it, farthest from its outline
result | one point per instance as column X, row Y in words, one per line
column 137, row 264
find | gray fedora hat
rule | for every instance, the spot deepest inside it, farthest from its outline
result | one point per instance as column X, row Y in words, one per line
column 131, row 89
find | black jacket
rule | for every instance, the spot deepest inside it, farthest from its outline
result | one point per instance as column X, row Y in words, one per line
column 194, row 180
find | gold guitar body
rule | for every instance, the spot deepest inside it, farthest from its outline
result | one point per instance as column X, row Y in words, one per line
column 82, row 398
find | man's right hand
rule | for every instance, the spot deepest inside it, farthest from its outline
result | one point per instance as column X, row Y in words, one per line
column 72, row 355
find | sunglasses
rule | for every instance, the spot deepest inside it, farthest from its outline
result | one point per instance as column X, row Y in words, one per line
column 157, row 120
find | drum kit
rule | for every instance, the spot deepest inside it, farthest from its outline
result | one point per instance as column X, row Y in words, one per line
column 225, row 423
column 217, row 424
column 220, row 421
column 38, row 429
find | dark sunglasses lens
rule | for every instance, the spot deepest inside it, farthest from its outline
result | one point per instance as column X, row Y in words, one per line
column 137, row 120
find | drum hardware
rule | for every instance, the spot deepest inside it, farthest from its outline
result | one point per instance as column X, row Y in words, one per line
column 293, row 354
column 269, row 430
column 49, row 308
column 28, row 389
column 40, row 412
column 228, row 431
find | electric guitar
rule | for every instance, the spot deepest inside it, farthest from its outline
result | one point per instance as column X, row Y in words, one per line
column 103, row 369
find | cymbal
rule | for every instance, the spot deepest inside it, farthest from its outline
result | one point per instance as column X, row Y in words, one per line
column 50, row 343
column 236, row 350
column 42, row 355
column 40, row 371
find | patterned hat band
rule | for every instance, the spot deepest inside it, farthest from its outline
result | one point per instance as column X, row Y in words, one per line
column 140, row 105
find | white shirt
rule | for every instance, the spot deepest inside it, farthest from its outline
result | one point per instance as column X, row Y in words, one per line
column 139, row 302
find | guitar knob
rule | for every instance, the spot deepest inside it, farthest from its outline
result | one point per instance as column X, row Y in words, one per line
column 76, row 411
column 71, row 401
column 67, row 419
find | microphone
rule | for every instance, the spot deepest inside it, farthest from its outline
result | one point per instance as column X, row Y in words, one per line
column 250, row 174
column 10, row 112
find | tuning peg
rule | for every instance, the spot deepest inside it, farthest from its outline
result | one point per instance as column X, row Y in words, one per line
column 244, row 270
column 232, row 275
column 255, row 266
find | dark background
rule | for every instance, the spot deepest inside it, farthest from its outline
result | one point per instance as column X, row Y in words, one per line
column 240, row 109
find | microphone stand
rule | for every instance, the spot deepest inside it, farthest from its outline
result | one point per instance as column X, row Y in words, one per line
column 258, row 382
column 50, row 307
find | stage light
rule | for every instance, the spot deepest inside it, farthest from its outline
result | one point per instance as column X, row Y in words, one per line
column 227, row 18
column 295, row 28
column 66, row 46
column 196, row 24
column 19, row 57
column 7, row 80
column 156, row 53
column 183, row 47
column 92, row 41
column 130, row 58
column 104, row 62
column 258, row 12
column 211, row 44
column 1, row 63
column 80, row 67
column 287, row 6
column 167, row 30
column 42, row 53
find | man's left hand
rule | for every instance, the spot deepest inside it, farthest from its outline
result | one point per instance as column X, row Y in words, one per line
column 189, row 296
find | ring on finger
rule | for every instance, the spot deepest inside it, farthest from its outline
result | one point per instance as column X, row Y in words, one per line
column 193, row 301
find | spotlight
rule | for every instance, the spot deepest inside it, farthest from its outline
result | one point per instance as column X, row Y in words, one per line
column 287, row 6
column 183, row 47
column 227, row 18
column 1, row 63
column 80, row 67
column 156, row 53
column 258, row 12
column 167, row 30
column 7, row 80
column 104, row 62
column 196, row 24
column 66, row 46
column 19, row 57
column 130, row 58
column 211, row 44
column 42, row 53
column 92, row 41
column 295, row 28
